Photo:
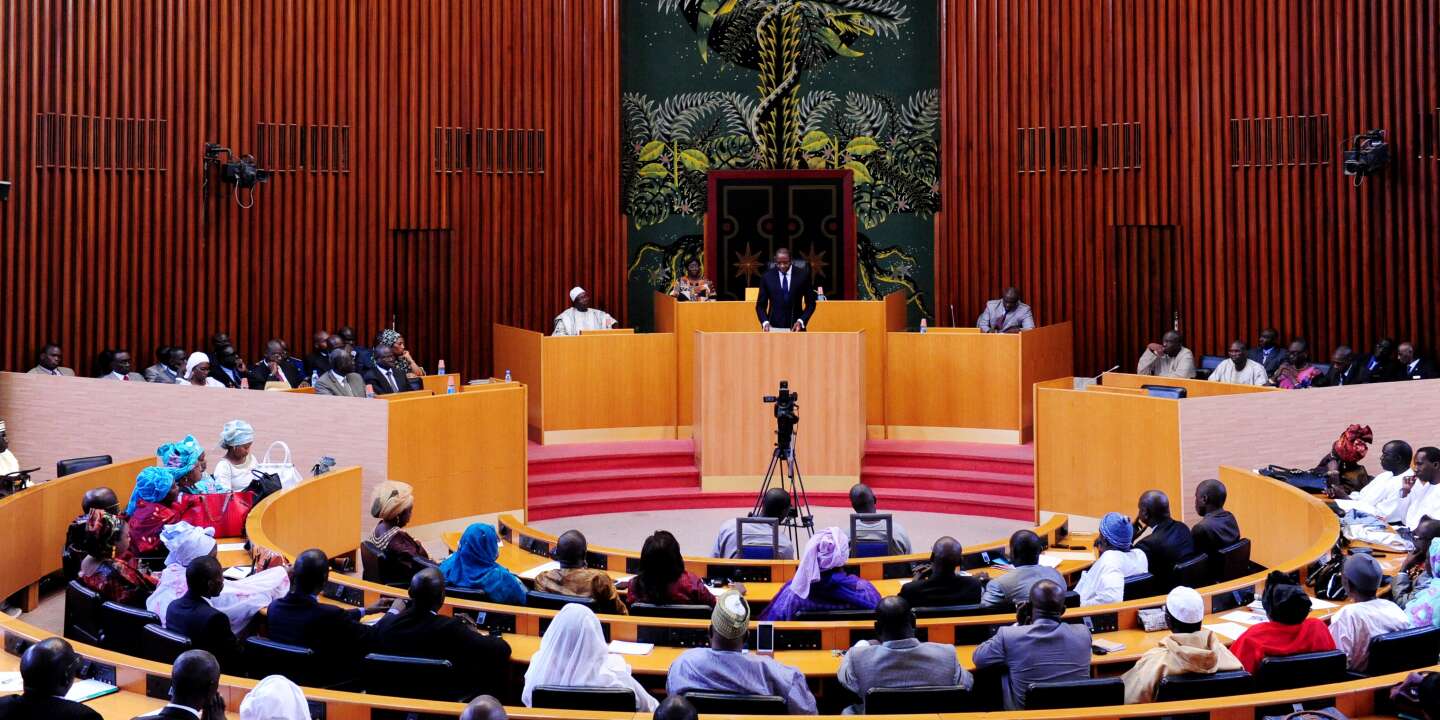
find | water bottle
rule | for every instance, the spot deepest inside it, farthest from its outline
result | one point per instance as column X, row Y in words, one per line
column 819, row 294
column 450, row 386
column 441, row 371
column 507, row 375
column 369, row 391
column 314, row 378
column 244, row 383
column 923, row 326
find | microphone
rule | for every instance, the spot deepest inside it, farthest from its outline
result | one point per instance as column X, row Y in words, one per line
column 952, row 316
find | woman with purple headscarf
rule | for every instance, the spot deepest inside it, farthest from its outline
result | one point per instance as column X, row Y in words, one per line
column 820, row 583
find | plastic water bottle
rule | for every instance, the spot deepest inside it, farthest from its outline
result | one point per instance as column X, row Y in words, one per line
column 244, row 383
column 819, row 294
column 923, row 326
column 369, row 391
column 507, row 375
column 450, row 386
column 314, row 378
column 441, row 370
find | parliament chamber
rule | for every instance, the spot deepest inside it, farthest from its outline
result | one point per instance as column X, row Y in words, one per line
column 628, row 360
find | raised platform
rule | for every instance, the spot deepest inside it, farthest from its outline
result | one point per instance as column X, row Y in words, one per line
column 938, row 477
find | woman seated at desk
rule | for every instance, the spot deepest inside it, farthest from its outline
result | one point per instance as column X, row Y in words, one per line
column 108, row 568
column 821, row 583
column 399, row 555
column 692, row 285
column 473, row 566
column 574, row 653
column 663, row 579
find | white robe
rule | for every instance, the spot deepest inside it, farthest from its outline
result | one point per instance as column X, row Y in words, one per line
column 240, row 599
column 572, row 321
column 8, row 463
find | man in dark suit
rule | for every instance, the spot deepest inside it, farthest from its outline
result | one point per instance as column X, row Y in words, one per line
column 1343, row 369
column 301, row 619
column 1168, row 542
column 226, row 366
column 1381, row 366
column 382, row 378
column 192, row 616
column 194, row 689
column 420, row 631
column 275, row 367
column 1269, row 353
column 48, row 670
column 941, row 586
column 786, row 298
column 317, row 362
column 1412, row 366
column 1217, row 527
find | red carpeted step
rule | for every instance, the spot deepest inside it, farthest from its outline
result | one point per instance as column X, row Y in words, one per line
column 600, row 502
column 1015, row 459
column 587, row 480
column 551, row 459
column 882, row 479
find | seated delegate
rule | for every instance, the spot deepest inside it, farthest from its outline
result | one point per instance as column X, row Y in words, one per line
column 1006, row 314
column 1165, row 541
column 101, row 498
column 1289, row 631
column 663, row 579
column 1189, row 649
column 419, row 630
column 1382, row 495
column 1239, row 368
column 574, row 653
column 194, row 689
column 400, row 556
column 1167, row 358
column 820, row 581
column 862, row 500
column 233, row 470
column 47, row 670
column 1039, row 647
column 725, row 667
column 1356, row 623
column 299, row 618
column 1104, row 582
column 192, row 615
column 580, row 317
column 774, row 504
column 274, row 698
column 1013, row 587
column 473, row 566
column 574, row 577
column 1217, row 527
column 240, row 600
column 897, row 659
column 940, row 585
column 108, row 568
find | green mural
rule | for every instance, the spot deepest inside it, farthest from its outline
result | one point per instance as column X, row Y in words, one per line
column 736, row 84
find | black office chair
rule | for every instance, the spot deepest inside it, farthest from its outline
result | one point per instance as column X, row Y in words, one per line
column 1208, row 363
column 835, row 615
column 694, row 612
column 460, row 593
column 1195, row 572
column 763, row 550
column 82, row 613
column 1235, row 560
column 1403, row 650
column 556, row 601
column 266, row 657
column 1139, row 586
column 162, row 645
column 122, row 628
column 917, row 700
column 869, row 542
column 424, row 678
column 1303, row 670
column 80, row 464
column 1092, row 692
column 1072, row 599
column 583, row 698
column 1196, row 686
column 728, row 704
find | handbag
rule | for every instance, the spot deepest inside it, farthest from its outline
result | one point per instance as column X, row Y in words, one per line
column 289, row 476
column 1304, row 479
column 226, row 512
column 264, row 484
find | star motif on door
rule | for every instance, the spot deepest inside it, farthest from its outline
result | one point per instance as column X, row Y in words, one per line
column 747, row 263
column 815, row 260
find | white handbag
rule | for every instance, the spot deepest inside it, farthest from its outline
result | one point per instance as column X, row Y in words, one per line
column 289, row 476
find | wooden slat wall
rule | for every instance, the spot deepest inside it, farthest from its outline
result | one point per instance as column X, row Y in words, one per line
column 97, row 257
column 1293, row 244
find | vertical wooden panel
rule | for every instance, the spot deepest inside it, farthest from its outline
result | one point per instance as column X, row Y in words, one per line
column 116, row 247
column 1281, row 239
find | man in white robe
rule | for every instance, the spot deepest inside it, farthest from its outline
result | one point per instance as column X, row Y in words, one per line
column 580, row 316
column 8, row 462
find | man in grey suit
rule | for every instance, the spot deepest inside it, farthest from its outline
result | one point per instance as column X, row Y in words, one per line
column 49, row 363
column 1013, row 587
column 121, row 368
column 1038, row 647
column 1006, row 315
column 341, row 380
column 897, row 659
column 169, row 366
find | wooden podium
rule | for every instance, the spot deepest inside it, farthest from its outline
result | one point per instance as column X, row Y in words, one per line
column 735, row 430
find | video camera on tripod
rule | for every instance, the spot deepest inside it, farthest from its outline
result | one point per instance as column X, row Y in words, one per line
column 787, row 416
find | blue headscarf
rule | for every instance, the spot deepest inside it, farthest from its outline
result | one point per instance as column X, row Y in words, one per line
column 181, row 456
column 1117, row 531
column 473, row 566
column 152, row 485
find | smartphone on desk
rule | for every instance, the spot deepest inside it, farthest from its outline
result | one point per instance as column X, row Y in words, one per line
column 765, row 638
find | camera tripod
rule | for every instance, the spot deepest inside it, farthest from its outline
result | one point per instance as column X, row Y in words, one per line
column 799, row 515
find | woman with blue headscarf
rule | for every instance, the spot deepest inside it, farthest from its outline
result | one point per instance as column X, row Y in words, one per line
column 1104, row 582
column 154, row 504
column 187, row 457
column 474, row 566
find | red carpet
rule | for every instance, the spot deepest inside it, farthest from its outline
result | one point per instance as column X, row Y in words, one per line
column 952, row 478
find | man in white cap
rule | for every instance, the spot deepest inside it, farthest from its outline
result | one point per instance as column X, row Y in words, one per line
column 580, row 316
column 1189, row 650
column 1366, row 616
column 724, row 667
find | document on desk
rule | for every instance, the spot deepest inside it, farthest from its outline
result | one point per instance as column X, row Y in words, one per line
column 1228, row 630
column 534, row 572
column 1244, row 617
column 11, row 682
column 1053, row 558
column 622, row 647
column 230, row 547
column 86, row 690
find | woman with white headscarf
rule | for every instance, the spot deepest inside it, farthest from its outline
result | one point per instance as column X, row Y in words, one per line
column 573, row 653
column 240, row 600
column 821, row 583
column 197, row 372
column 275, row 698
column 233, row 470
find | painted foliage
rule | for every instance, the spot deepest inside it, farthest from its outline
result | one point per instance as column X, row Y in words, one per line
column 743, row 84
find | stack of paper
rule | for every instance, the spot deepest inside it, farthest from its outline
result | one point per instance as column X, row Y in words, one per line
column 1227, row 630
column 622, row 647
column 534, row 572
column 1244, row 617
column 84, row 690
